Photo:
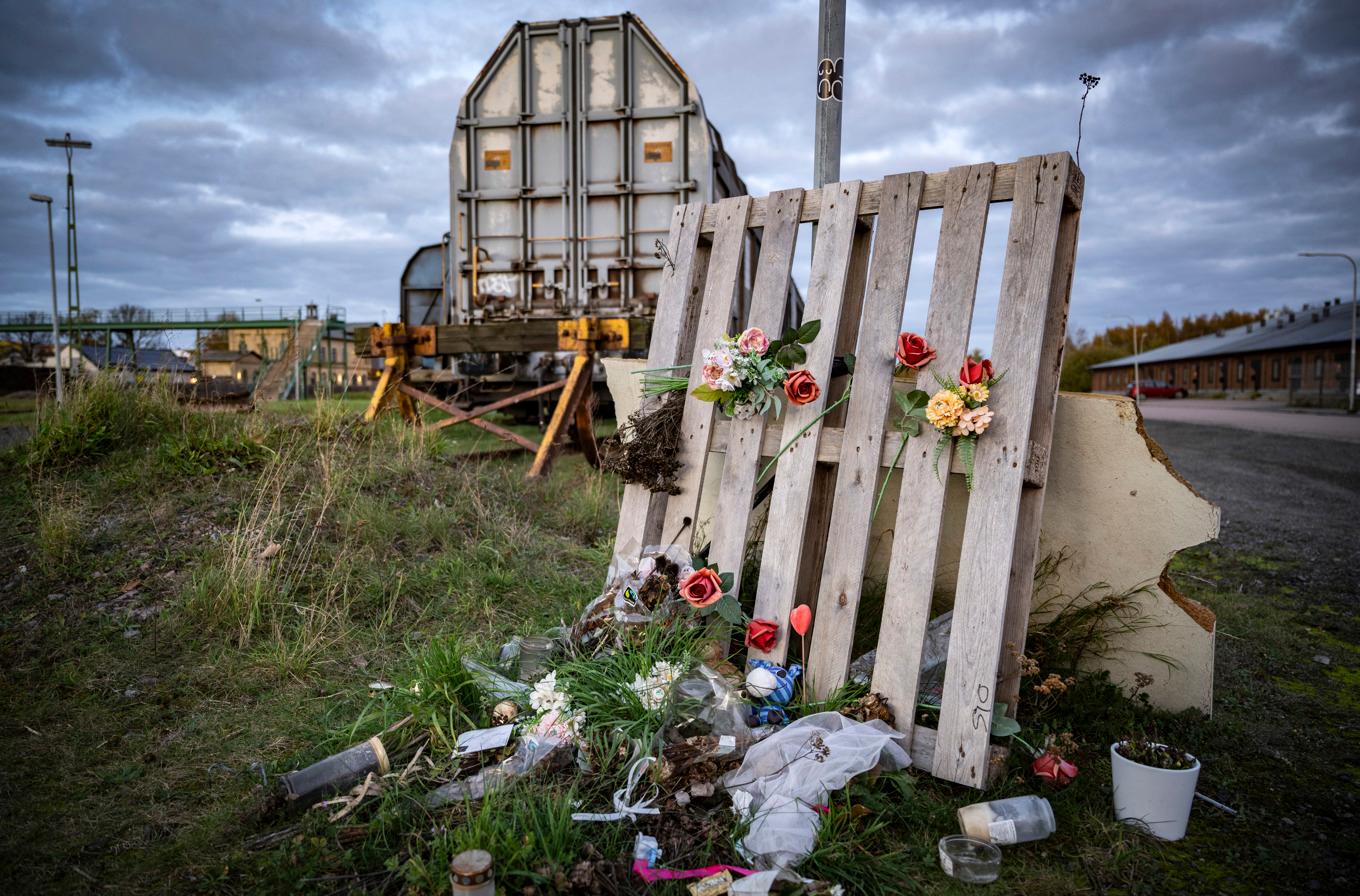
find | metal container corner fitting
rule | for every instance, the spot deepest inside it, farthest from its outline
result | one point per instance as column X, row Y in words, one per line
column 572, row 146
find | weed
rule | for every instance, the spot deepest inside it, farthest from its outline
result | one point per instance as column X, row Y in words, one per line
column 99, row 416
column 63, row 520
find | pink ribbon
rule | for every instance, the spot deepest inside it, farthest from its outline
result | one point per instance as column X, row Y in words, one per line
column 652, row 875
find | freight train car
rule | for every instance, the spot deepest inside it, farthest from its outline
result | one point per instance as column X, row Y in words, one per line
column 572, row 147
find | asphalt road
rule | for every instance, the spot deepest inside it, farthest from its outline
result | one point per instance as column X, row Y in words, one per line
column 1258, row 416
column 1290, row 496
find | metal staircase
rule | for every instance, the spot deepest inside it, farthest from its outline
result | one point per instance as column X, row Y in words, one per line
column 280, row 379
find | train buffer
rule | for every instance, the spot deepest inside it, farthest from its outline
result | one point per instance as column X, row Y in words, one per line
column 398, row 344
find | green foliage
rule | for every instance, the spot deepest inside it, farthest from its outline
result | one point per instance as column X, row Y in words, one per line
column 967, row 446
column 601, row 687
column 443, row 698
column 1155, row 755
column 787, row 350
column 200, row 451
column 99, row 415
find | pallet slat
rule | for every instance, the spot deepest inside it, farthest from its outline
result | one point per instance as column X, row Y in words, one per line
column 640, row 511
column 743, row 438
column 857, row 477
column 920, row 508
column 994, row 507
column 782, row 553
column 720, row 292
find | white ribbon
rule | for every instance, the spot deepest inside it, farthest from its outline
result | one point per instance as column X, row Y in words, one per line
column 623, row 807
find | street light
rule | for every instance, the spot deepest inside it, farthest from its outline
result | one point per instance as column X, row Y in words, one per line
column 1350, row 400
column 52, row 264
column 1137, row 383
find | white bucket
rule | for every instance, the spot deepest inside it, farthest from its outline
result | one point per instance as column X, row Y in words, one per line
column 1158, row 799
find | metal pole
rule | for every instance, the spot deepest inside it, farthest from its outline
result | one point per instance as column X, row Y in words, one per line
column 1350, row 398
column 826, row 154
column 69, row 146
column 52, row 266
column 1137, row 381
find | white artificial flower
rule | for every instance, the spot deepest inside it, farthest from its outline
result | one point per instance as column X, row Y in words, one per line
column 651, row 691
column 743, row 411
column 730, row 380
column 546, row 697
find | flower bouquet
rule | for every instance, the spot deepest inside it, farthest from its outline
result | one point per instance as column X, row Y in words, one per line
column 744, row 374
column 959, row 410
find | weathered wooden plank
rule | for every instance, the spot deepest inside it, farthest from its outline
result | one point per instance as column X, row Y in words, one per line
column 1021, row 589
column 831, row 261
column 961, row 754
column 818, row 522
column 857, row 477
column 920, row 508
column 640, row 511
column 932, row 196
column 922, row 751
column 696, row 427
column 743, row 438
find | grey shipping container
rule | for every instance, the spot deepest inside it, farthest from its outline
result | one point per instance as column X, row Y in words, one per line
column 572, row 147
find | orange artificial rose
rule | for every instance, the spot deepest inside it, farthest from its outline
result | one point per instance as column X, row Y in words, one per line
column 702, row 587
column 801, row 387
column 913, row 351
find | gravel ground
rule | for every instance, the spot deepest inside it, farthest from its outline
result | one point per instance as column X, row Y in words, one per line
column 1288, row 496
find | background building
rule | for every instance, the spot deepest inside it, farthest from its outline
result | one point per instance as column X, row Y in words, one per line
column 1301, row 355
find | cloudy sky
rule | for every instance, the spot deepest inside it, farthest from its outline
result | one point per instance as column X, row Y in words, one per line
column 296, row 151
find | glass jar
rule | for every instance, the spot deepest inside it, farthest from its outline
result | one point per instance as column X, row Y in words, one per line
column 1019, row 819
column 534, row 653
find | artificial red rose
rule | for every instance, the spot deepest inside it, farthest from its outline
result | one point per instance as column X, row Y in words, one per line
column 801, row 387
column 702, row 587
column 1054, row 769
column 762, row 634
column 913, row 351
column 975, row 371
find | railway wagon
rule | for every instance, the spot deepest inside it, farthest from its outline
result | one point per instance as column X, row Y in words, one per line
column 571, row 147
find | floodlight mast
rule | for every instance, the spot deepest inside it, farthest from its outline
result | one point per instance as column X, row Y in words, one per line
column 72, row 252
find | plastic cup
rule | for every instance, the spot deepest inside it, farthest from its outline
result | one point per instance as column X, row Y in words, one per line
column 970, row 860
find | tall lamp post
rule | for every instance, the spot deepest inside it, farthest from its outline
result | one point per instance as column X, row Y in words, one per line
column 52, row 266
column 1350, row 399
column 69, row 146
column 1137, row 383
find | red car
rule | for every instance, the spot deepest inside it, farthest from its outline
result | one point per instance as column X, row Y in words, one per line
column 1155, row 389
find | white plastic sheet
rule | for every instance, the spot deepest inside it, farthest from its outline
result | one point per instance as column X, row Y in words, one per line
column 784, row 776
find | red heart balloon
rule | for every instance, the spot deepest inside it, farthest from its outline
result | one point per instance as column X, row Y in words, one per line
column 801, row 618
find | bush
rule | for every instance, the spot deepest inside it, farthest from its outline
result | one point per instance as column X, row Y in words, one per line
column 100, row 415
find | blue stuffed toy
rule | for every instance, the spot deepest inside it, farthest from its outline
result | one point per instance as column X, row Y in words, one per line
column 772, row 686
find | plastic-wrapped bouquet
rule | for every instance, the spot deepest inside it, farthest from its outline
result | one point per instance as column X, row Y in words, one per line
column 745, row 374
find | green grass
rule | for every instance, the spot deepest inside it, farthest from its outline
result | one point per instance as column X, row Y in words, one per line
column 158, row 656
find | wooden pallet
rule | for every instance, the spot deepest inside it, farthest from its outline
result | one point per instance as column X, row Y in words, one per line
column 818, row 523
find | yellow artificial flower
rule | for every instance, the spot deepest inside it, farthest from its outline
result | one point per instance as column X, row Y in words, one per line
column 944, row 409
column 977, row 392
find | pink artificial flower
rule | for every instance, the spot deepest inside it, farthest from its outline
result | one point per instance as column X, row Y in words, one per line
column 1054, row 769
column 713, row 375
column 753, row 340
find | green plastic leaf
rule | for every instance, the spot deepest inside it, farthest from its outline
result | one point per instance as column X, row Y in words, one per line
column 729, row 609
column 850, row 362
column 916, row 401
column 799, row 354
column 1002, row 724
column 910, row 427
column 726, row 579
column 808, row 331
column 939, row 449
column 707, row 393
column 967, row 448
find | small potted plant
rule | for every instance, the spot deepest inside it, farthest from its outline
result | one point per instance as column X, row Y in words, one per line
column 1154, row 785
